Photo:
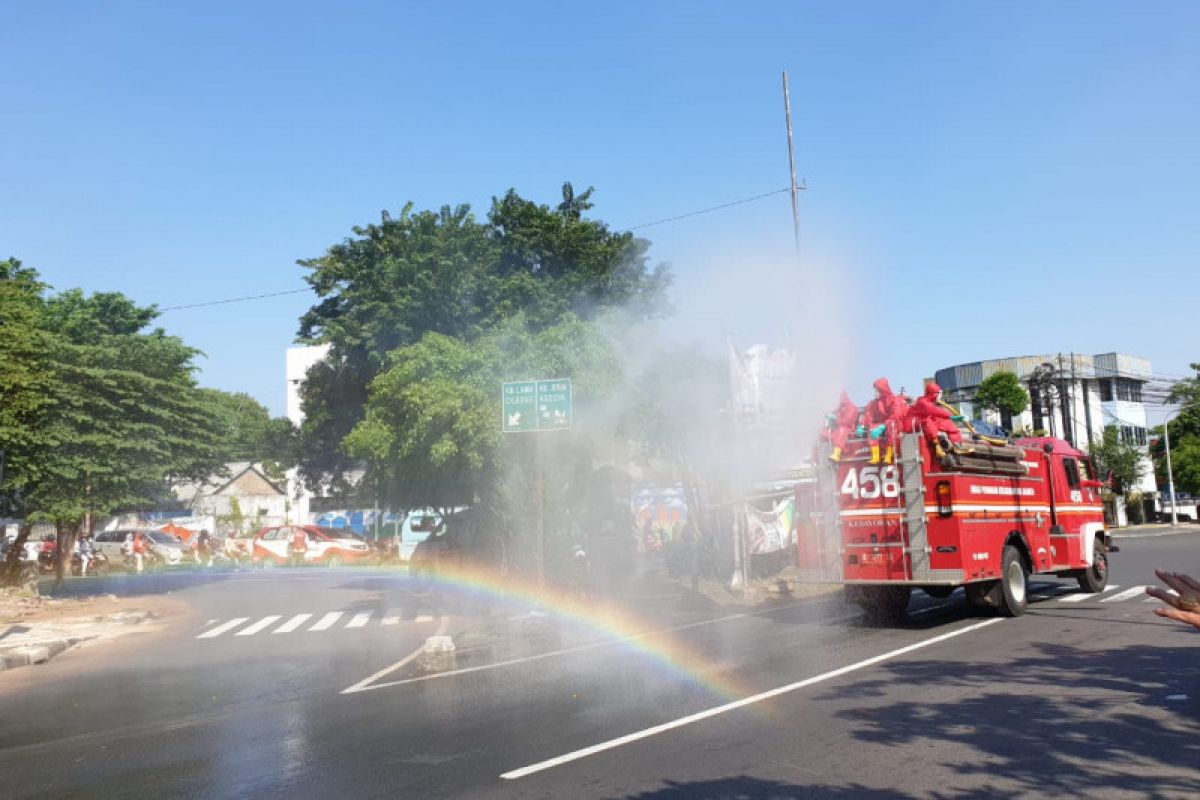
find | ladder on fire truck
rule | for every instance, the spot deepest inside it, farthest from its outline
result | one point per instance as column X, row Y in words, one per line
column 910, row 502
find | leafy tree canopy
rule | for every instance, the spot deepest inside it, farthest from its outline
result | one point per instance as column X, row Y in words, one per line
column 431, row 432
column 1002, row 391
column 117, row 410
column 1122, row 459
column 1185, row 439
column 248, row 432
column 1187, row 391
column 448, row 273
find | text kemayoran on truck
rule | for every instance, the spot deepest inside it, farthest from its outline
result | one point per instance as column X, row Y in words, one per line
column 945, row 507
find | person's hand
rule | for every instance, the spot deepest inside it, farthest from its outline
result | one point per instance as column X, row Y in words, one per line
column 1184, row 606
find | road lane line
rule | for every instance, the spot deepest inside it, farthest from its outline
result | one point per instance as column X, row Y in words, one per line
column 424, row 618
column 1081, row 596
column 1125, row 595
column 358, row 687
column 746, row 701
column 326, row 622
column 258, row 626
column 359, row 620
column 228, row 626
column 292, row 624
column 390, row 621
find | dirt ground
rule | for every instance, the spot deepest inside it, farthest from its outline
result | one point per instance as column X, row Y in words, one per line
column 19, row 606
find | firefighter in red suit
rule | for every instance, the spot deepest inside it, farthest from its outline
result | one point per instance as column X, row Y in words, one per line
column 884, row 418
column 934, row 419
column 842, row 425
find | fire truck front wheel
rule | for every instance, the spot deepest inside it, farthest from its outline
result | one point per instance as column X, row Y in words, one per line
column 1095, row 578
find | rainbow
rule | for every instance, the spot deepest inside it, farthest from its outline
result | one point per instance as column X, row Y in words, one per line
column 625, row 630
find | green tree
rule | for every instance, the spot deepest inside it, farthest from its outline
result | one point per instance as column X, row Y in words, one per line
column 1002, row 392
column 121, row 416
column 1187, row 391
column 448, row 273
column 1122, row 460
column 26, row 377
column 1185, row 438
column 249, row 433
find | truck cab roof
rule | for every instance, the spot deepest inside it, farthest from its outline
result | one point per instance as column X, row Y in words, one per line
column 1058, row 447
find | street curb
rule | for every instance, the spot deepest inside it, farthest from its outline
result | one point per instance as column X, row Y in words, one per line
column 29, row 655
column 43, row 651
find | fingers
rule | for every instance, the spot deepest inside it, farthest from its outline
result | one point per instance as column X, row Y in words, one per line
column 1154, row 591
column 1189, row 617
column 1189, row 581
column 1183, row 584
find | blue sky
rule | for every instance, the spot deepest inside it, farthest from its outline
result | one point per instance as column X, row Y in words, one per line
column 984, row 180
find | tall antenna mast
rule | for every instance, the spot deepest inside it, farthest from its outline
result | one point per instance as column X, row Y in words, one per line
column 787, row 110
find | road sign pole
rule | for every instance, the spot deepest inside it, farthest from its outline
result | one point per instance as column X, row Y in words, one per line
column 540, row 487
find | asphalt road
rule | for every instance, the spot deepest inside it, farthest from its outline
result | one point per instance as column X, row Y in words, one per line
column 1084, row 696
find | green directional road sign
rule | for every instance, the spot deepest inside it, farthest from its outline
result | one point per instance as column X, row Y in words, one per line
column 536, row 406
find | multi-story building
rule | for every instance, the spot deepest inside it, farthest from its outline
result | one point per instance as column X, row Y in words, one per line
column 1072, row 396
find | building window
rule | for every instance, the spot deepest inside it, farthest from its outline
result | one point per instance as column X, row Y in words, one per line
column 1129, row 390
column 1133, row 434
column 1106, row 391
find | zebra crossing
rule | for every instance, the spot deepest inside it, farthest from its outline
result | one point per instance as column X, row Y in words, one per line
column 271, row 623
column 1067, row 594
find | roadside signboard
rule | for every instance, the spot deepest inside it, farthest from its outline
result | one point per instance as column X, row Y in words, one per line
column 536, row 406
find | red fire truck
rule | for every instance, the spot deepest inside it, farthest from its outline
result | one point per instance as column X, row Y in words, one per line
column 983, row 516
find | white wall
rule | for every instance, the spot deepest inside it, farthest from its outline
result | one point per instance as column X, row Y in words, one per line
column 299, row 359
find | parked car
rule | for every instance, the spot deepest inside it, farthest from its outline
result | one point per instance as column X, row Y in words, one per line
column 169, row 548
column 328, row 547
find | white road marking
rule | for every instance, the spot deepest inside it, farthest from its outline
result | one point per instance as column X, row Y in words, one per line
column 424, row 618
column 258, row 626
column 1081, row 596
column 363, row 684
column 359, row 620
column 1125, row 595
column 292, row 624
column 228, row 626
column 390, row 621
column 758, row 698
column 326, row 622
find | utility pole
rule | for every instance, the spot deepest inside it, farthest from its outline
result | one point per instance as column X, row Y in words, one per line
column 795, row 189
column 1170, row 476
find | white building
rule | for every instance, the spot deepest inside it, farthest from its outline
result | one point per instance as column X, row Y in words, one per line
column 299, row 360
column 1072, row 396
column 240, row 501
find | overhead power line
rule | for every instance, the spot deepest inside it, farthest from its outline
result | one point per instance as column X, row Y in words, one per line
column 709, row 210
column 234, row 300
column 663, row 221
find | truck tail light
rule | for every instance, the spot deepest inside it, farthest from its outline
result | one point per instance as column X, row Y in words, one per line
column 944, row 506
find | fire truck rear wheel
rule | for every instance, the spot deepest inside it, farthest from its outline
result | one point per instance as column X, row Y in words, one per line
column 1013, row 583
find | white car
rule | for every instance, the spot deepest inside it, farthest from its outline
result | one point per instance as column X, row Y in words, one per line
column 328, row 547
column 112, row 544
